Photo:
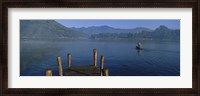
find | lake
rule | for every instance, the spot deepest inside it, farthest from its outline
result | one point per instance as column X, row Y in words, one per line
column 158, row 58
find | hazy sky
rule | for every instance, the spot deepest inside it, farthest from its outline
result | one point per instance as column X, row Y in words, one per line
column 151, row 24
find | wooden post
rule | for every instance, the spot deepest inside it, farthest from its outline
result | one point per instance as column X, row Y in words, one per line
column 48, row 72
column 69, row 59
column 105, row 72
column 95, row 56
column 59, row 61
column 101, row 65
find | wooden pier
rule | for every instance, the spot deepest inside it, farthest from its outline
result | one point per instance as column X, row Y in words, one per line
column 90, row 70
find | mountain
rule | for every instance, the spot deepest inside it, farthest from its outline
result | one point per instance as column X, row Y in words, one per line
column 163, row 32
column 50, row 29
column 160, row 33
column 106, row 29
column 47, row 29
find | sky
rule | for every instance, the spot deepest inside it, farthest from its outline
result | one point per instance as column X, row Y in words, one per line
column 123, row 24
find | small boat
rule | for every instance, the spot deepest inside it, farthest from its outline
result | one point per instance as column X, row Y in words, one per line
column 138, row 48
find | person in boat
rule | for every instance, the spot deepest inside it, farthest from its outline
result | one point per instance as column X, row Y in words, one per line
column 139, row 45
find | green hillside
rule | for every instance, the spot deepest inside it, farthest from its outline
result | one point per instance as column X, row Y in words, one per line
column 47, row 29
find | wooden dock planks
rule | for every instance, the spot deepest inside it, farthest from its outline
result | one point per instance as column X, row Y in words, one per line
column 82, row 71
column 91, row 70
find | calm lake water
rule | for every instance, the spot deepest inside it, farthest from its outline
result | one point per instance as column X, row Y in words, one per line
column 158, row 58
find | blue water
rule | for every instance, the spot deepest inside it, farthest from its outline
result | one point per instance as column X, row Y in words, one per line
column 158, row 58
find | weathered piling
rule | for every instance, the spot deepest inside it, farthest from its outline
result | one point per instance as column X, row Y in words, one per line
column 91, row 70
column 59, row 61
column 105, row 72
column 101, row 65
column 48, row 72
column 69, row 59
column 95, row 56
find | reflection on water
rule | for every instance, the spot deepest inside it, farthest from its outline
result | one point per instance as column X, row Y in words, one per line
column 138, row 52
column 157, row 58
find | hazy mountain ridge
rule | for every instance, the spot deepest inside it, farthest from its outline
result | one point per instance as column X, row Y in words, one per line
column 47, row 29
column 160, row 33
column 50, row 29
column 107, row 29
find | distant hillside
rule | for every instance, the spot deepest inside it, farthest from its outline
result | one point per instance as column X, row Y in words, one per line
column 160, row 33
column 47, row 29
column 106, row 29
column 50, row 30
